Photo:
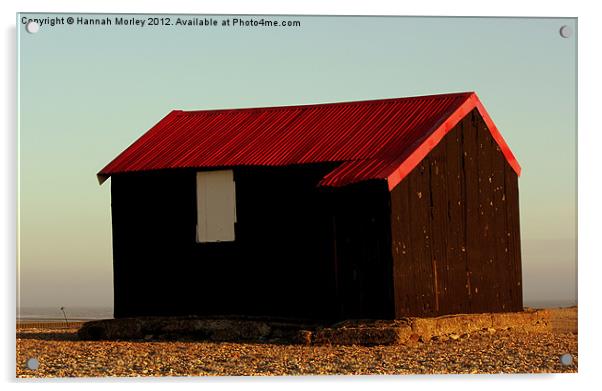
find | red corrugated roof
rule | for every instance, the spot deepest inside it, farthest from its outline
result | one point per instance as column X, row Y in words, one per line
column 377, row 139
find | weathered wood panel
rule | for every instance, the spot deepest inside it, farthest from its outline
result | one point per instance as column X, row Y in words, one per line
column 455, row 229
column 455, row 194
column 513, row 235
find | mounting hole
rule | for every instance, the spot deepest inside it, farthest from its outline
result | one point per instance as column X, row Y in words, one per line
column 566, row 359
column 566, row 31
column 33, row 364
column 32, row 27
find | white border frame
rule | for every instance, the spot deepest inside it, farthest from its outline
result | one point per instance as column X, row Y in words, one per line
column 589, row 27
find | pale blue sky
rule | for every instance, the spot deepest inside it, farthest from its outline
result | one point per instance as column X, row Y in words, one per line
column 86, row 93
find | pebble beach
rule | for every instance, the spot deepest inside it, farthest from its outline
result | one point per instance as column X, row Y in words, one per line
column 60, row 353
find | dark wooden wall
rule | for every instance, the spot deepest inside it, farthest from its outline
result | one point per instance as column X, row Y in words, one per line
column 455, row 229
column 301, row 252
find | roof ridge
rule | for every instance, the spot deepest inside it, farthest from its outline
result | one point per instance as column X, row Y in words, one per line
column 326, row 104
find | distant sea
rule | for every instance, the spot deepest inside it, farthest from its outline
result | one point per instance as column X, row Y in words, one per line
column 55, row 313
column 549, row 303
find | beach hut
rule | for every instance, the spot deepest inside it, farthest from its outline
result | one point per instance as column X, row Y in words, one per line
column 369, row 209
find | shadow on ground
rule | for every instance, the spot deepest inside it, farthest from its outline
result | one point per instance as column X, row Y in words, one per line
column 50, row 335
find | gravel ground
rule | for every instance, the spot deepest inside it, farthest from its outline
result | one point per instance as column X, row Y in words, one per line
column 61, row 354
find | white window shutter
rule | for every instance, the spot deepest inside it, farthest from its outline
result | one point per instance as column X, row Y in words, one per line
column 216, row 206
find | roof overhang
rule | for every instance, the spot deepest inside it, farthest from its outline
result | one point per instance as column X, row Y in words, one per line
column 102, row 178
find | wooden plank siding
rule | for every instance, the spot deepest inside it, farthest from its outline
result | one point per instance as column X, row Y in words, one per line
column 455, row 229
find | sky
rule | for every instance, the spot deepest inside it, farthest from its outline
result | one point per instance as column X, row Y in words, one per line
column 85, row 93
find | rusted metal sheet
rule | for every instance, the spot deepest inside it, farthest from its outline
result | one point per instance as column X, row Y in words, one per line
column 455, row 229
column 379, row 139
